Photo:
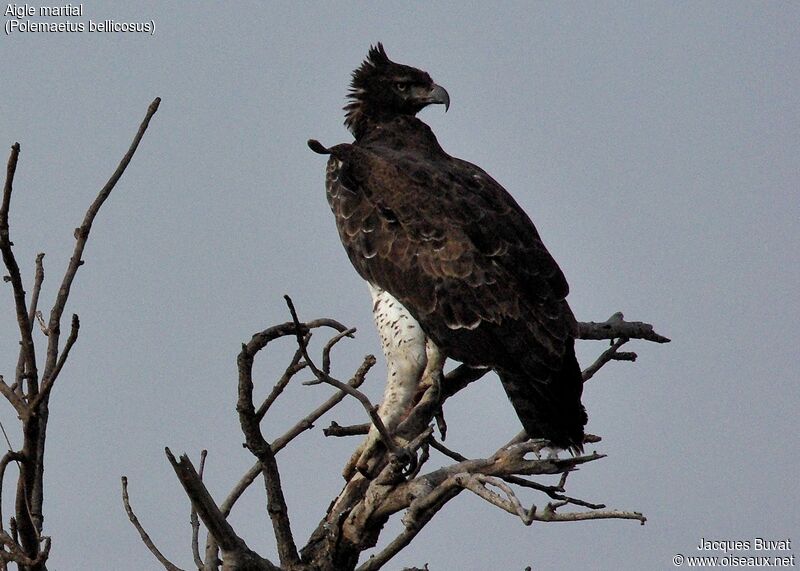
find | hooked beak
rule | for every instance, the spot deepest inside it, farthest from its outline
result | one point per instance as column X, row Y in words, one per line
column 438, row 94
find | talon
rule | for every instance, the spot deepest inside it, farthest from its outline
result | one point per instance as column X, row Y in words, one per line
column 441, row 424
column 363, row 466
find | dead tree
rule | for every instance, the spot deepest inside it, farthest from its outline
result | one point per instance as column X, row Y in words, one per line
column 24, row 542
column 357, row 515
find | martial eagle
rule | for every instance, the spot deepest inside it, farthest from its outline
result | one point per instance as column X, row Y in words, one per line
column 454, row 265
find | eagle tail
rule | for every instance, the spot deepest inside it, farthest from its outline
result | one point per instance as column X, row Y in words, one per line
column 548, row 402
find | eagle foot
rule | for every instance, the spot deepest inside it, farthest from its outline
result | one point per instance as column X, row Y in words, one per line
column 370, row 458
column 403, row 464
column 359, row 461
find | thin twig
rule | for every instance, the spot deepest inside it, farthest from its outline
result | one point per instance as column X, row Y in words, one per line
column 337, row 430
column 552, row 491
column 13, row 397
column 549, row 514
column 49, row 380
column 168, row 565
column 435, row 444
column 27, row 350
column 308, row 421
column 82, row 234
column 195, row 522
column 38, row 279
column 607, row 355
column 294, row 367
column 321, row 376
column 326, row 350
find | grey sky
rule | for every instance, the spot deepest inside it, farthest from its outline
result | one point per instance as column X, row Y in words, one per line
column 655, row 145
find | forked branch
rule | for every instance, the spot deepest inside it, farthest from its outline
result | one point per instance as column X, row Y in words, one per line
column 26, row 545
column 234, row 548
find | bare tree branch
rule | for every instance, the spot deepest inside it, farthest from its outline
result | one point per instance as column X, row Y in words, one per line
column 29, row 398
column 279, row 443
column 257, row 444
column 195, row 522
column 302, row 425
column 255, row 440
column 361, row 397
column 326, row 351
column 334, row 429
column 37, row 286
column 10, row 456
column 477, row 483
column 616, row 326
column 423, row 513
column 16, row 553
column 356, row 517
column 82, row 235
column 446, row 451
column 610, row 354
column 554, row 492
column 38, row 279
column 27, row 348
column 235, row 551
column 16, row 401
column 308, row 421
column 49, row 380
column 294, row 367
column 410, row 531
column 168, row 565
column 29, row 518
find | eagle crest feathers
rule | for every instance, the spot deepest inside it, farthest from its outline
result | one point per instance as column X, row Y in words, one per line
column 381, row 88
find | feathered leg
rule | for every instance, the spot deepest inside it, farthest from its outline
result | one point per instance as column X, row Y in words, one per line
column 404, row 345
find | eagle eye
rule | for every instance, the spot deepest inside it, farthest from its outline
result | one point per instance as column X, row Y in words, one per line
column 401, row 86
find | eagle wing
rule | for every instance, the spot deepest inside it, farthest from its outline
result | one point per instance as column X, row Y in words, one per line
column 447, row 240
column 449, row 243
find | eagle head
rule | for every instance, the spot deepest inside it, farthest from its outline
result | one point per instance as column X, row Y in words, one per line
column 382, row 89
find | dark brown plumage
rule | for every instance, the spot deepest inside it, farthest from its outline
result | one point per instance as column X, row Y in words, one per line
column 446, row 240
